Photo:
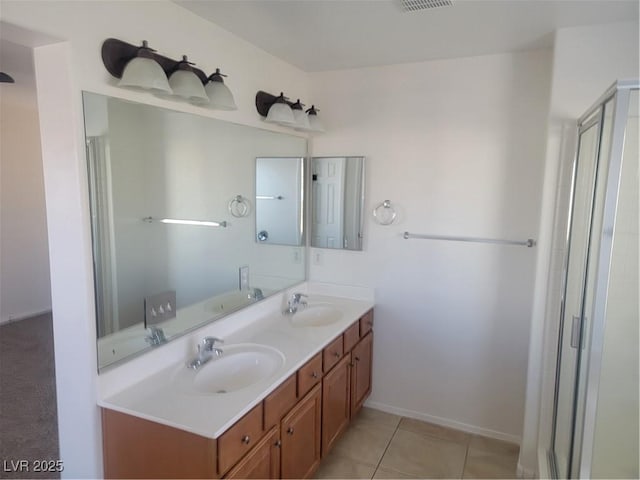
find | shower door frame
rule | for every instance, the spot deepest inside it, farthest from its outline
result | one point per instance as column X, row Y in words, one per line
column 590, row 356
column 593, row 354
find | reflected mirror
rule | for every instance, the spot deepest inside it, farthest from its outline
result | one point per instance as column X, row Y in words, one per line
column 337, row 202
column 173, row 215
column 279, row 193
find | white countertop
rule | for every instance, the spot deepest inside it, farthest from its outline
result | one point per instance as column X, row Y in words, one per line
column 158, row 399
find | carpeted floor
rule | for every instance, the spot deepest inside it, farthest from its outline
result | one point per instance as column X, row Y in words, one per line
column 28, row 417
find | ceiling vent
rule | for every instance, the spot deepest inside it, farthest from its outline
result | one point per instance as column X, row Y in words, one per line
column 417, row 5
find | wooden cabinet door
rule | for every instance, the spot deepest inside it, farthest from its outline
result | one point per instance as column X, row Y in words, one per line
column 361, row 358
column 261, row 462
column 335, row 403
column 300, row 434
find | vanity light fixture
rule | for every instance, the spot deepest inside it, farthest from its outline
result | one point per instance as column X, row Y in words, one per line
column 201, row 223
column 6, row 78
column 278, row 109
column 138, row 68
column 220, row 96
column 142, row 68
column 300, row 116
column 186, row 84
column 280, row 112
column 314, row 122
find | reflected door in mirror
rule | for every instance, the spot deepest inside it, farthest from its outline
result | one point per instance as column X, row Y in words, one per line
column 337, row 193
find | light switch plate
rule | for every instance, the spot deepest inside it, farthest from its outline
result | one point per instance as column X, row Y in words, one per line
column 160, row 307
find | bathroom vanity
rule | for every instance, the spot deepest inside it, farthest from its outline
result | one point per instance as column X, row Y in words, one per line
column 169, row 426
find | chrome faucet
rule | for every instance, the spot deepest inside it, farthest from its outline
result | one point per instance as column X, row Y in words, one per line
column 295, row 302
column 156, row 336
column 206, row 351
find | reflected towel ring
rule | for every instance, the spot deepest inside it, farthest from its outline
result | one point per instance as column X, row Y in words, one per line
column 384, row 214
column 239, row 206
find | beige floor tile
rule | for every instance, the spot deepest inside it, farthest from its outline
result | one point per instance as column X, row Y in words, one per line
column 335, row 466
column 364, row 443
column 483, row 465
column 423, row 456
column 433, row 430
column 390, row 474
column 371, row 415
column 492, row 446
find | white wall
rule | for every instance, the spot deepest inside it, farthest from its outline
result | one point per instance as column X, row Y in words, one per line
column 458, row 147
column 62, row 71
column 586, row 61
column 24, row 255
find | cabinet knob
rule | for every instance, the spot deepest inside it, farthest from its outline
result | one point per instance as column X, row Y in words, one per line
column 357, row 359
column 290, row 430
column 336, row 354
column 278, row 443
column 314, row 374
column 246, row 439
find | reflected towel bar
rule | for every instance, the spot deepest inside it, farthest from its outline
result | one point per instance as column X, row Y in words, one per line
column 186, row 222
column 266, row 197
column 530, row 242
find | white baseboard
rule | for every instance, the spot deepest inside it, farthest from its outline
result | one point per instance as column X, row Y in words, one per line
column 445, row 422
column 23, row 316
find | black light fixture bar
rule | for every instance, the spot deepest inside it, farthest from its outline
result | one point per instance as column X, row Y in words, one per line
column 264, row 101
column 116, row 54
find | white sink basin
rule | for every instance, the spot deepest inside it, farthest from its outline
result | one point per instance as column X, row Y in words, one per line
column 316, row 315
column 240, row 366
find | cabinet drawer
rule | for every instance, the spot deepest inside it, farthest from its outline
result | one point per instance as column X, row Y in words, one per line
column 239, row 439
column 309, row 375
column 351, row 336
column 366, row 323
column 279, row 402
column 332, row 354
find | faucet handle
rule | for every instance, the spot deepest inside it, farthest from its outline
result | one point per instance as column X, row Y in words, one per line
column 298, row 296
column 209, row 342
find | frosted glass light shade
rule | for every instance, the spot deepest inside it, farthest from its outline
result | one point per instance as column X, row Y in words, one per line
column 220, row 97
column 145, row 74
column 315, row 124
column 302, row 120
column 281, row 113
column 187, row 85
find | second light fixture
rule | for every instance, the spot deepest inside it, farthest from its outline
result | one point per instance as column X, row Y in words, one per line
column 278, row 109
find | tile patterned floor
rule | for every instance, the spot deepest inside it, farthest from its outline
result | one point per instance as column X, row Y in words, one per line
column 382, row 445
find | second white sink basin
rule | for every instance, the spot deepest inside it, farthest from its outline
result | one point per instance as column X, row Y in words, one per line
column 316, row 315
column 240, row 366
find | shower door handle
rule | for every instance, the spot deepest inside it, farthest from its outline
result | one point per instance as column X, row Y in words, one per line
column 576, row 325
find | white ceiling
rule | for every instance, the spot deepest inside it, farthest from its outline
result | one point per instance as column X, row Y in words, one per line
column 317, row 35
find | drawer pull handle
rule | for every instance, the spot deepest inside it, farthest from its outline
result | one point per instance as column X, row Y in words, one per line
column 246, row 439
column 278, row 443
column 290, row 430
column 336, row 354
column 314, row 374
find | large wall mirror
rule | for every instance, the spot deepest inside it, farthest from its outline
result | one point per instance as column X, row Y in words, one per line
column 337, row 202
column 174, row 209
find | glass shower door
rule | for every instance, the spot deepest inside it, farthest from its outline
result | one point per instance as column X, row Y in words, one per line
column 572, row 315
